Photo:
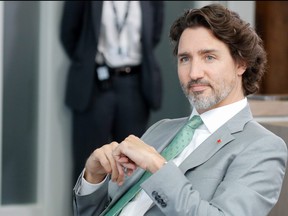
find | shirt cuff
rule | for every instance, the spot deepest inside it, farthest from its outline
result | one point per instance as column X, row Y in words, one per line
column 87, row 188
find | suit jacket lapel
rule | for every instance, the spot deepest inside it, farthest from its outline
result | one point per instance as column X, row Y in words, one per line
column 165, row 136
column 217, row 140
column 207, row 149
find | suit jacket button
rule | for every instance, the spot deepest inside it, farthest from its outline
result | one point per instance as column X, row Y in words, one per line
column 157, row 197
column 154, row 194
column 163, row 204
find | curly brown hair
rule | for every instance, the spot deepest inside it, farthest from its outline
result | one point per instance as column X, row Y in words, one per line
column 243, row 42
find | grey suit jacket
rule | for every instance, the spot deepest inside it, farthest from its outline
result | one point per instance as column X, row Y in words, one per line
column 237, row 171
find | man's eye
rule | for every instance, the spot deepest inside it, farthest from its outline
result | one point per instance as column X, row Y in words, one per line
column 209, row 58
column 183, row 59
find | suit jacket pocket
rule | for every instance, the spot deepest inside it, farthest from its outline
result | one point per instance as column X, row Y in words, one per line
column 205, row 181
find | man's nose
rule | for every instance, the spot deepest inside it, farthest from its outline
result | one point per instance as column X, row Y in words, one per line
column 196, row 70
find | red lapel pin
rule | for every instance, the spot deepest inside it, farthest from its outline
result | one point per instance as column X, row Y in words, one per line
column 219, row 141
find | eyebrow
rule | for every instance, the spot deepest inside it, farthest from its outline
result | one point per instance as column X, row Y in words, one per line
column 200, row 52
column 205, row 51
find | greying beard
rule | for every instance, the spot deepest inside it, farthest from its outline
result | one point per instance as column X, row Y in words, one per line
column 200, row 102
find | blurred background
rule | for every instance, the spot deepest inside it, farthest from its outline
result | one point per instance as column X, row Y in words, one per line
column 35, row 150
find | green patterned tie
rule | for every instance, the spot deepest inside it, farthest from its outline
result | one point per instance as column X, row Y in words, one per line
column 180, row 141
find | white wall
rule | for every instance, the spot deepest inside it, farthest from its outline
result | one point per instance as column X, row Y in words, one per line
column 55, row 189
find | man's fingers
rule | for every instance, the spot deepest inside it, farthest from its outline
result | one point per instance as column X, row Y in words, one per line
column 129, row 165
column 121, row 174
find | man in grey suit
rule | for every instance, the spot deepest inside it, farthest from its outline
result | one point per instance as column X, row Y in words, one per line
column 232, row 165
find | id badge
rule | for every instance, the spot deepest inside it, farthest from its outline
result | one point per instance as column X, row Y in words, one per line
column 102, row 73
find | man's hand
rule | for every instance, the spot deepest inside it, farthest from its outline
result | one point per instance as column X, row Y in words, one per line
column 133, row 151
column 100, row 163
column 121, row 159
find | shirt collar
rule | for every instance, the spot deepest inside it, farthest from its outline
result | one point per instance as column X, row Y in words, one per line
column 215, row 118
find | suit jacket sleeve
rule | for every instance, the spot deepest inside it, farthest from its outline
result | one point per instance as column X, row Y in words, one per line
column 92, row 204
column 71, row 24
column 158, row 21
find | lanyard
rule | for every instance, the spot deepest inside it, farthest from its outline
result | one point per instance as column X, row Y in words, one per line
column 119, row 26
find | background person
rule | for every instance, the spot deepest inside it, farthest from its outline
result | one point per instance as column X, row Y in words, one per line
column 114, row 79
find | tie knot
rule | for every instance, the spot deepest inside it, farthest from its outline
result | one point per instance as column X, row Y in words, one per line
column 195, row 122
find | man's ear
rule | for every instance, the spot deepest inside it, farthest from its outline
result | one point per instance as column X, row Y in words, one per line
column 241, row 68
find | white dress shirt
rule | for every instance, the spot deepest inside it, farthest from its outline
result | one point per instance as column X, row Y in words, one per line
column 212, row 120
column 129, row 41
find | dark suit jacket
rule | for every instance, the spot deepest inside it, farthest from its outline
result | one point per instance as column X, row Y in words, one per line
column 80, row 27
column 241, row 176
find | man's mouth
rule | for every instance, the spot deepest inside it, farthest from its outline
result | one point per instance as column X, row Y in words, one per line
column 198, row 87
